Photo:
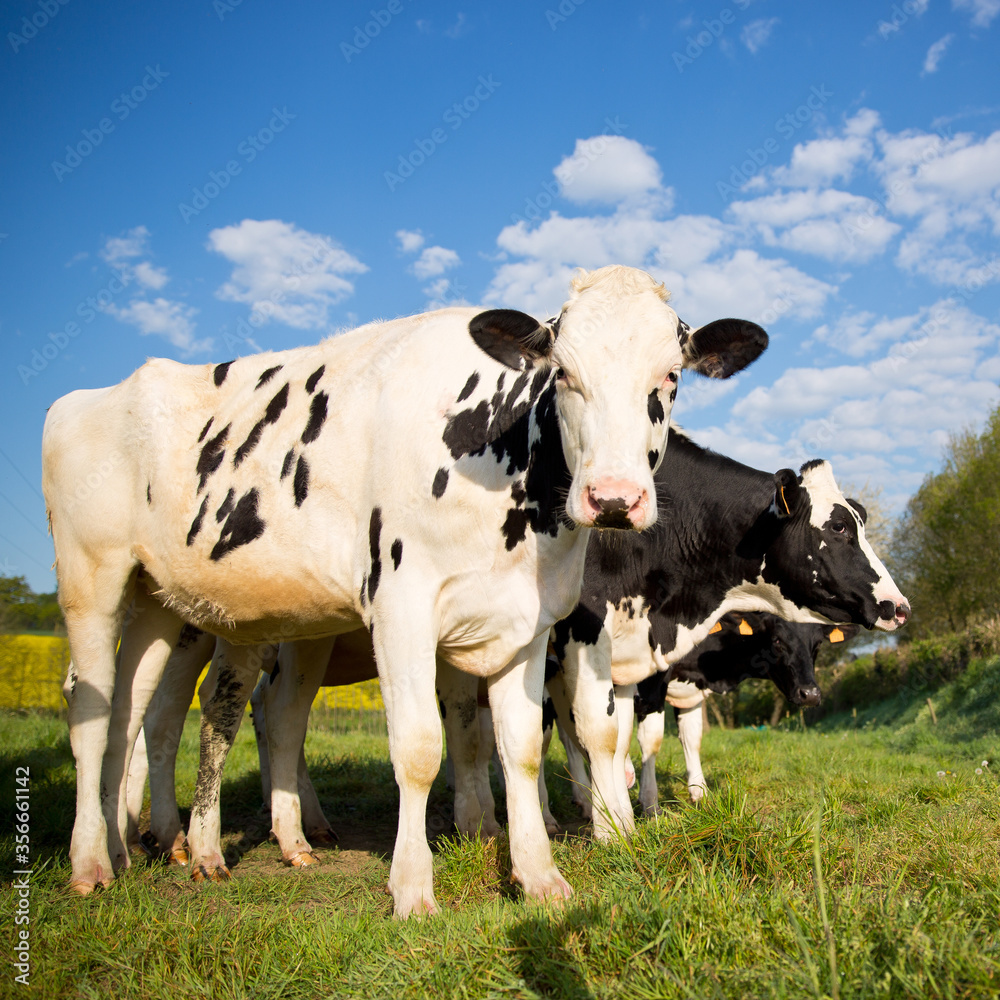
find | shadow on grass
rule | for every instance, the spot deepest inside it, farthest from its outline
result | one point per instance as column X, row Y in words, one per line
column 551, row 945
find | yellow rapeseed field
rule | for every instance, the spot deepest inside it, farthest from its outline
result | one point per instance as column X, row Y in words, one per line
column 33, row 667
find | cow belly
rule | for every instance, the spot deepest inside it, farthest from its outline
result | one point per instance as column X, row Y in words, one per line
column 352, row 660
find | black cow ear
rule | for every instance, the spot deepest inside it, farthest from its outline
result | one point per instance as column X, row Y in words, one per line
column 513, row 338
column 787, row 493
column 862, row 513
column 723, row 348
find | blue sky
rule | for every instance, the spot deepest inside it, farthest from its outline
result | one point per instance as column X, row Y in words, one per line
column 199, row 180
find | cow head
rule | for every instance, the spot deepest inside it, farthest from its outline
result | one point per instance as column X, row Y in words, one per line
column 617, row 350
column 819, row 557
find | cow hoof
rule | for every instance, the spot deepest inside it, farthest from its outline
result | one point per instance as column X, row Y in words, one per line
column 553, row 890
column 178, row 856
column 420, row 907
column 325, row 836
column 83, row 887
column 303, row 859
column 552, row 828
column 139, row 850
column 210, row 873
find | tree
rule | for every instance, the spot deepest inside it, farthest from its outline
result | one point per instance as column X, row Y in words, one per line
column 21, row 609
column 946, row 546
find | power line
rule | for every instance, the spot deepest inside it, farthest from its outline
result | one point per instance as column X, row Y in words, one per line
column 25, row 516
column 34, row 489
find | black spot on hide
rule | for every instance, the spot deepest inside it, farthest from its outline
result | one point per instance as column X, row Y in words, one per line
column 227, row 505
column 275, row 672
column 611, row 702
column 653, row 456
column 189, row 635
column 317, row 414
column 242, row 526
column 266, row 376
column 220, row 372
column 211, row 456
column 278, row 402
column 374, row 539
column 470, row 385
column 396, row 552
column 548, row 713
column 582, row 626
column 515, row 527
column 204, row 430
column 149, row 493
column 300, row 484
column 196, row 523
column 654, row 407
column 440, row 483
column 286, row 465
column 314, row 378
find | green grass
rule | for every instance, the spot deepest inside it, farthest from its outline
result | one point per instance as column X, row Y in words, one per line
column 717, row 901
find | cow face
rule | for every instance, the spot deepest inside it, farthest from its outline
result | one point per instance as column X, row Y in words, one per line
column 617, row 349
column 820, row 558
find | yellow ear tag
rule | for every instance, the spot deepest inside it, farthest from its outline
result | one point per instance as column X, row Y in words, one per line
column 784, row 501
column 745, row 628
column 836, row 635
column 717, row 627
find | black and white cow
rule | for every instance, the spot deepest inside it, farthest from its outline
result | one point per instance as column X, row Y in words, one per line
column 729, row 538
column 425, row 478
column 743, row 645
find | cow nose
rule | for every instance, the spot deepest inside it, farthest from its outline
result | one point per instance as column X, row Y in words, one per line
column 616, row 503
column 889, row 610
column 807, row 696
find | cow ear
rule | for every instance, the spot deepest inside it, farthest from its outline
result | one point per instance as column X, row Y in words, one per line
column 513, row 338
column 862, row 513
column 787, row 493
column 723, row 348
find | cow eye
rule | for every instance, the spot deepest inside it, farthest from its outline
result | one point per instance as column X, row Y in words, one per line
column 671, row 377
column 560, row 375
column 839, row 527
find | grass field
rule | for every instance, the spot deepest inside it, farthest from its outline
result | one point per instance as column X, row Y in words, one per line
column 860, row 860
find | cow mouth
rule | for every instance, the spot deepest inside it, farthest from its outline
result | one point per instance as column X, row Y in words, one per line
column 891, row 615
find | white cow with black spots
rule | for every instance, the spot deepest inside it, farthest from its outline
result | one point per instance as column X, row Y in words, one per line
column 431, row 479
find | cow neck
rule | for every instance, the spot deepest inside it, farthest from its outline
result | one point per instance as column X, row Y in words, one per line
column 717, row 514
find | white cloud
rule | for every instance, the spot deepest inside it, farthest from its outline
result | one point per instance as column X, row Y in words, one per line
column 434, row 261
column 607, row 169
column 119, row 250
column 832, row 224
column 756, row 34
column 982, row 11
column 935, row 53
column 284, row 273
column 831, row 157
column 410, row 241
column 172, row 320
column 149, row 276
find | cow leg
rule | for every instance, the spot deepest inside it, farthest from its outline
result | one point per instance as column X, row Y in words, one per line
column 548, row 720
column 315, row 825
column 147, row 640
column 575, row 762
column 137, row 771
column 236, row 669
column 650, row 741
column 689, row 727
column 164, row 726
column 458, row 699
column 487, row 752
column 288, row 698
column 516, row 703
column 406, row 659
column 625, row 710
column 93, row 599
column 587, row 676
